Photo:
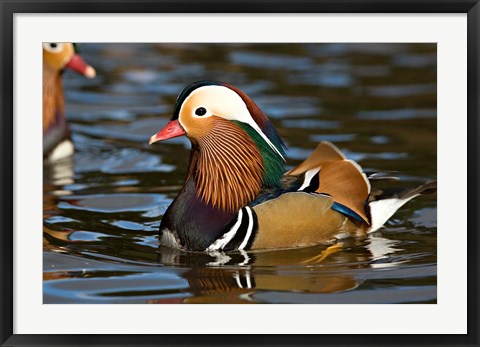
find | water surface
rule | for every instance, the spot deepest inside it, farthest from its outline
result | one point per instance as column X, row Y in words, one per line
column 102, row 209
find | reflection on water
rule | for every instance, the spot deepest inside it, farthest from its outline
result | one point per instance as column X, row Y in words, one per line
column 102, row 208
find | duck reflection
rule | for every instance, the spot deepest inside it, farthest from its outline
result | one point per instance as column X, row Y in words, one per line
column 56, row 175
column 233, row 277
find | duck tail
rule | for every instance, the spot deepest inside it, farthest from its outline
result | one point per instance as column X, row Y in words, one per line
column 384, row 203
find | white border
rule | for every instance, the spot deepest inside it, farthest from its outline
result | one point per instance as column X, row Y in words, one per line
column 448, row 316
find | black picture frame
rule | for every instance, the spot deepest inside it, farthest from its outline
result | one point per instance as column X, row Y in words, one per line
column 10, row 7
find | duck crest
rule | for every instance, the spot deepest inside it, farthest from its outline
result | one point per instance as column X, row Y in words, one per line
column 261, row 120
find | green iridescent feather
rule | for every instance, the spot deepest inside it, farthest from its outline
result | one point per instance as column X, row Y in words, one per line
column 274, row 164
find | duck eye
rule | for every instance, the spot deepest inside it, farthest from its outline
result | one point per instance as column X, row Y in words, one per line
column 201, row 111
column 54, row 47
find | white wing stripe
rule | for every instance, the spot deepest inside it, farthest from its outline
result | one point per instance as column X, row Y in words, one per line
column 308, row 178
column 225, row 239
column 249, row 230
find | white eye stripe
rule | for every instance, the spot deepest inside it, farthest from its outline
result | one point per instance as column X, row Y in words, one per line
column 53, row 47
column 229, row 105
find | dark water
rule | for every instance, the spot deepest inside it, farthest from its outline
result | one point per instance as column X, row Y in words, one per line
column 102, row 209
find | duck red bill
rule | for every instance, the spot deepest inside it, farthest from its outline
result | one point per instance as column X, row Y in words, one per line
column 171, row 130
column 78, row 64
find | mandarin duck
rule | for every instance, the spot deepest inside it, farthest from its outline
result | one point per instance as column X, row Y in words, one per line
column 236, row 194
column 56, row 134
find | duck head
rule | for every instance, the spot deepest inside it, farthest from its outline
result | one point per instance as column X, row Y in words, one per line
column 236, row 151
column 60, row 55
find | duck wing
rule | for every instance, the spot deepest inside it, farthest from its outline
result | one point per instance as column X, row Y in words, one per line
column 299, row 219
column 327, row 171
